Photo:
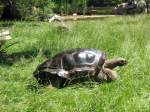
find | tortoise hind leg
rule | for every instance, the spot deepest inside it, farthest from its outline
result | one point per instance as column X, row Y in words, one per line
column 111, row 64
column 107, row 74
column 48, row 79
column 111, row 74
column 58, row 82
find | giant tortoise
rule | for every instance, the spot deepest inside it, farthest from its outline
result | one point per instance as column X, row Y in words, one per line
column 76, row 64
column 130, row 7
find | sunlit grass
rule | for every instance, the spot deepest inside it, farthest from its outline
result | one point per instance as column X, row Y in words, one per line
column 128, row 37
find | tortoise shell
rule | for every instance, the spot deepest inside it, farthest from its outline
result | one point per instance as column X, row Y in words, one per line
column 71, row 64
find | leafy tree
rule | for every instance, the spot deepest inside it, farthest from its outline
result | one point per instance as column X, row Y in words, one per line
column 147, row 5
column 29, row 9
column 112, row 2
column 68, row 6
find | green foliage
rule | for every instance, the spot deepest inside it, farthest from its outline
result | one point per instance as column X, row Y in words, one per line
column 124, row 36
column 65, row 7
column 35, row 9
column 31, row 9
column 81, row 6
column 112, row 2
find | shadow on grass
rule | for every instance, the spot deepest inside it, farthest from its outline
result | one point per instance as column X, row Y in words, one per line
column 10, row 59
column 33, row 86
column 83, row 85
column 36, row 87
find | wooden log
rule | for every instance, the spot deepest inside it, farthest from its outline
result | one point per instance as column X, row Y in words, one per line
column 55, row 17
column 81, row 17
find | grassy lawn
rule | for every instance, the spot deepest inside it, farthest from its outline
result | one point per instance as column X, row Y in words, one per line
column 127, row 37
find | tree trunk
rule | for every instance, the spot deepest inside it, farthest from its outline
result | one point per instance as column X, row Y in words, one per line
column 84, row 7
column 61, row 7
column 147, row 5
column 66, row 7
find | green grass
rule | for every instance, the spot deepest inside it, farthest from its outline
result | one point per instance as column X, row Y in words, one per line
column 127, row 37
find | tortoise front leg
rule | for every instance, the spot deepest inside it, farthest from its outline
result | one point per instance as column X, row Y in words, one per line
column 111, row 64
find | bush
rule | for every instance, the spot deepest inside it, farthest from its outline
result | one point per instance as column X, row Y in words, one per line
column 29, row 9
column 35, row 9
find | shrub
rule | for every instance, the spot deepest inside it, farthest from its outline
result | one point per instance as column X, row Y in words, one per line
column 29, row 9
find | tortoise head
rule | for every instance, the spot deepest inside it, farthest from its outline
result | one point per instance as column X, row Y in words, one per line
column 121, row 61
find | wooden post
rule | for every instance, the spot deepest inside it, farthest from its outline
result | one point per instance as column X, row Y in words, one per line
column 4, row 36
